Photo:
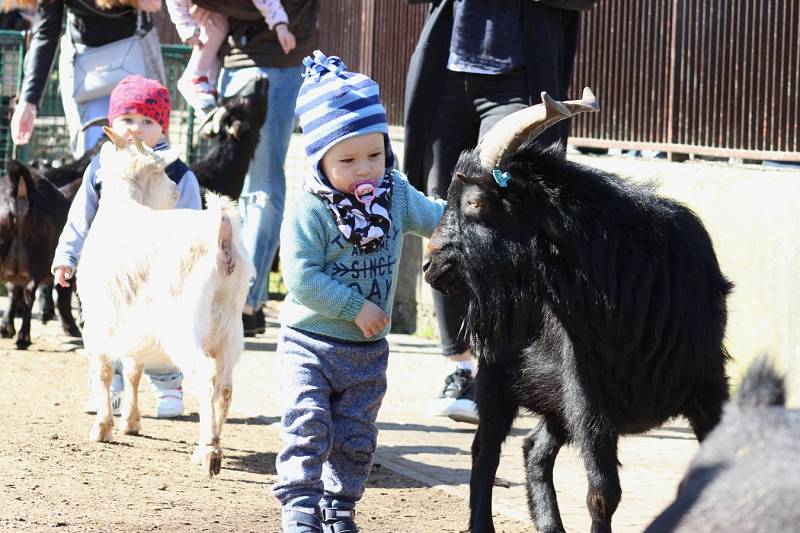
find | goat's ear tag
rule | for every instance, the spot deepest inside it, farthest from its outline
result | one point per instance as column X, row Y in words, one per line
column 501, row 177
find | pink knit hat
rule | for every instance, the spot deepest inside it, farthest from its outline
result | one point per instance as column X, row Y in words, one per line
column 137, row 94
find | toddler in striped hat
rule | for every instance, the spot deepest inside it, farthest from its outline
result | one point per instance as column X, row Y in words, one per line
column 340, row 255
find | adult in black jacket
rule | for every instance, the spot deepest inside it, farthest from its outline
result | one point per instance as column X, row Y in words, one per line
column 90, row 23
column 458, row 86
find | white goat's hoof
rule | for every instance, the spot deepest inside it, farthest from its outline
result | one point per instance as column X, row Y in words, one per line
column 131, row 427
column 101, row 432
column 210, row 458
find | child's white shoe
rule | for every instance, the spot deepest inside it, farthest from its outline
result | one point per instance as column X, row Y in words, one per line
column 198, row 93
column 169, row 403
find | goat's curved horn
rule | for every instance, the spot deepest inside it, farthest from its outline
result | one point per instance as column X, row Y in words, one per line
column 137, row 142
column 117, row 139
column 529, row 123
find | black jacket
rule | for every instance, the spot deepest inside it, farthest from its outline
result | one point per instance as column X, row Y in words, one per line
column 252, row 44
column 551, row 39
column 87, row 25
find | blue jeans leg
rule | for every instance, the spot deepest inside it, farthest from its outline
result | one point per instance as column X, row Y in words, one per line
column 264, row 192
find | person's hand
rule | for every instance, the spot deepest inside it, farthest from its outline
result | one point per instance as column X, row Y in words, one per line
column 194, row 41
column 22, row 122
column 285, row 37
column 371, row 319
column 201, row 15
column 151, row 6
column 62, row 273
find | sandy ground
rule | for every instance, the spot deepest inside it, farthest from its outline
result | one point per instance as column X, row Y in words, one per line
column 54, row 478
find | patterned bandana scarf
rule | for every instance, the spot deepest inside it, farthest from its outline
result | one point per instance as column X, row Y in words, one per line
column 363, row 224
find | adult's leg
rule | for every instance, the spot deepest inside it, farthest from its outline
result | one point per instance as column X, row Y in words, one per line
column 264, row 192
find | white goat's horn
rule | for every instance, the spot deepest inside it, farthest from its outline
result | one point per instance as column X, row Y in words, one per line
column 529, row 123
column 117, row 139
column 215, row 117
column 137, row 142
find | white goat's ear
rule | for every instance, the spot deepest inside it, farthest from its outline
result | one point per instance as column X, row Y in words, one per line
column 117, row 139
column 170, row 155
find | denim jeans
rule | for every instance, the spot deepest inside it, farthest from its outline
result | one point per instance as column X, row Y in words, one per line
column 469, row 106
column 264, row 193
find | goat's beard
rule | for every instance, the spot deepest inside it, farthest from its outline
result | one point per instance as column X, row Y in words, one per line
column 504, row 306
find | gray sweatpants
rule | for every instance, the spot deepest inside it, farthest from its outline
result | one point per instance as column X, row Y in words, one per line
column 330, row 393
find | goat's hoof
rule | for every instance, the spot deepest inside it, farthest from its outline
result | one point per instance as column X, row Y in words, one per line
column 7, row 331
column 210, row 458
column 101, row 432
column 131, row 428
column 23, row 342
column 71, row 330
column 47, row 316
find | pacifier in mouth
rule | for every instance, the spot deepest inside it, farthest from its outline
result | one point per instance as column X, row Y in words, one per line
column 365, row 190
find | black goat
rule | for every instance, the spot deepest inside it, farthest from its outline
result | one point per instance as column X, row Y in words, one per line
column 592, row 302
column 744, row 478
column 235, row 127
column 32, row 214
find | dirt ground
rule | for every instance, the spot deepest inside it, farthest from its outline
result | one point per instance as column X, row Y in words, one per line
column 54, row 478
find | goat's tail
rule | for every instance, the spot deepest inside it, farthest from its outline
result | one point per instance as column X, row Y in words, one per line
column 231, row 251
column 762, row 386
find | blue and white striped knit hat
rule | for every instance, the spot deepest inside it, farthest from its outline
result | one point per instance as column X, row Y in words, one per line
column 335, row 104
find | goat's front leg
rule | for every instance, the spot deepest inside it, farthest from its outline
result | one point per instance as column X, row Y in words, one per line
column 7, row 329
column 600, row 458
column 104, row 424
column 45, row 301
column 540, row 449
column 24, row 335
column 132, row 373
column 208, row 451
column 497, row 409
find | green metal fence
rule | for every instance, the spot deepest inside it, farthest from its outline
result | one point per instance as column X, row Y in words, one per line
column 50, row 138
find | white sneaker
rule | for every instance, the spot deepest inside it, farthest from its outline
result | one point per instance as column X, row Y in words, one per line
column 169, row 403
column 198, row 93
column 90, row 406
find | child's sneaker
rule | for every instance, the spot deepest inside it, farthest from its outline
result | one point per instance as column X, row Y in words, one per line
column 457, row 400
column 198, row 93
column 339, row 520
column 169, row 403
column 90, row 407
column 300, row 520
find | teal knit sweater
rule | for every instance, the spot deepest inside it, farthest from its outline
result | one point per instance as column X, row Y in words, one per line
column 328, row 278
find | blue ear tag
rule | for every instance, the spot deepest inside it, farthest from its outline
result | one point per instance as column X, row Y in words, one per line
column 501, row 177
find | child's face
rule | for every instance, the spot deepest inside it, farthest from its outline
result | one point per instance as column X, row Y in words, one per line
column 130, row 124
column 353, row 160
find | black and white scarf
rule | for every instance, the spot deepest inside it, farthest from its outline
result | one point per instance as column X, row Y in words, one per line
column 364, row 225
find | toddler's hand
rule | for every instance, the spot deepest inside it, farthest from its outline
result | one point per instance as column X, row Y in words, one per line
column 371, row 319
column 194, row 41
column 285, row 37
column 62, row 274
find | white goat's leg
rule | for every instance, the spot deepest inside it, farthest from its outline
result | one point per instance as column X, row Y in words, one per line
column 132, row 372
column 103, row 424
column 208, row 452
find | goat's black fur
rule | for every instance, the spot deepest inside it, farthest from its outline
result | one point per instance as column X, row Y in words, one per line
column 592, row 302
column 224, row 168
column 744, row 477
column 32, row 214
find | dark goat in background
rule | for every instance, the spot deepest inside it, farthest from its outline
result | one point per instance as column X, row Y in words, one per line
column 234, row 127
column 32, row 214
column 744, row 477
column 593, row 302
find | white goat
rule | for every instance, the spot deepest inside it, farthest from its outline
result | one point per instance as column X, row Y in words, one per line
column 161, row 288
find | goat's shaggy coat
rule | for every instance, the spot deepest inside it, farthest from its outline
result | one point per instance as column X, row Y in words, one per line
column 744, row 478
column 32, row 214
column 161, row 288
column 593, row 303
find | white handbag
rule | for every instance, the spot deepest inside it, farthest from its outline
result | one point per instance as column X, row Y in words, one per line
column 98, row 69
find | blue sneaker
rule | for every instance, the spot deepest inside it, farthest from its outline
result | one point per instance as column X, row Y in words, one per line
column 300, row 520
